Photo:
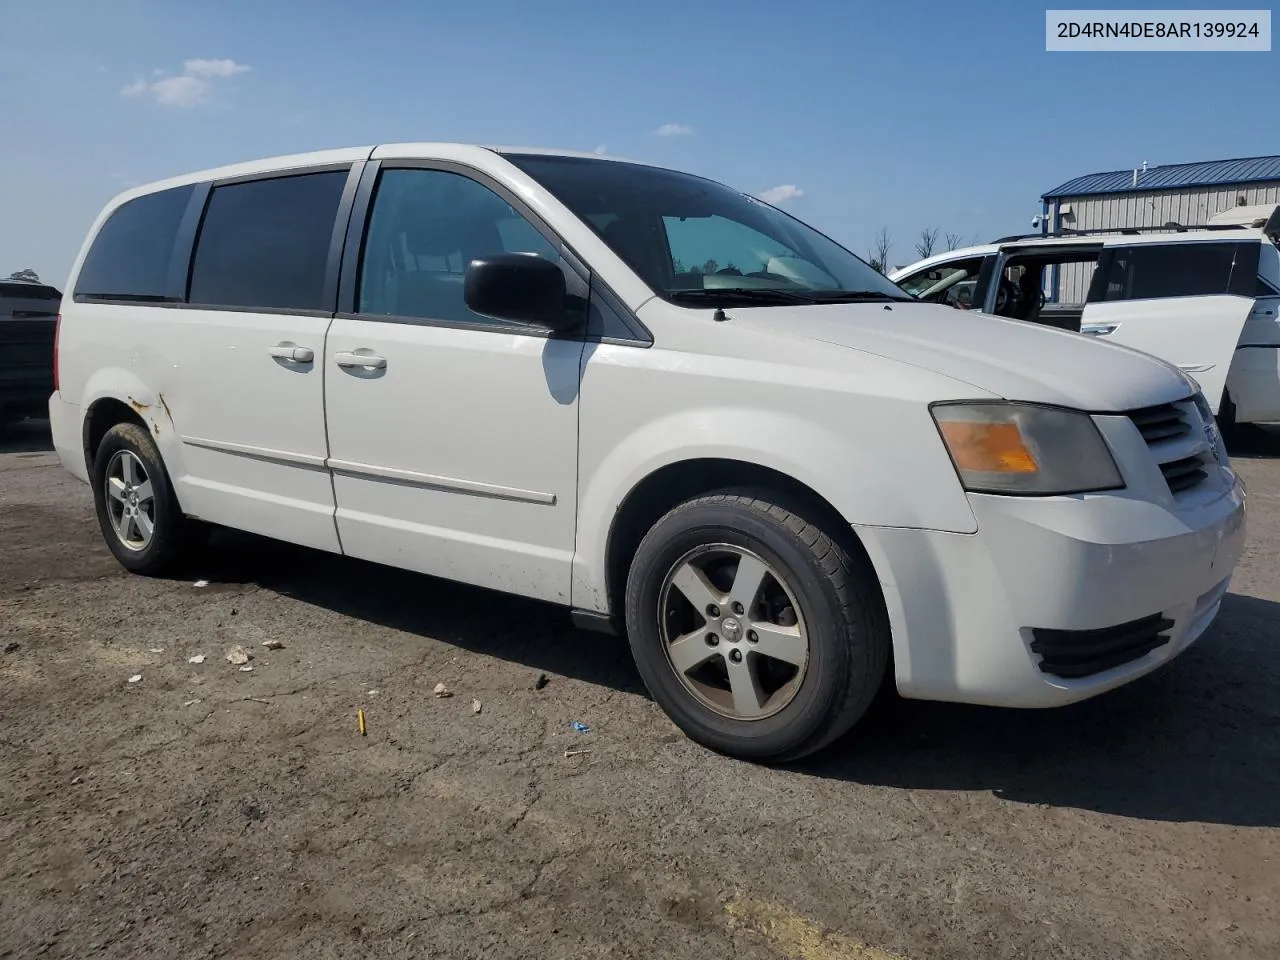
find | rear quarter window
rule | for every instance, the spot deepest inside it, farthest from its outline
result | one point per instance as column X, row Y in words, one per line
column 130, row 257
column 1268, row 270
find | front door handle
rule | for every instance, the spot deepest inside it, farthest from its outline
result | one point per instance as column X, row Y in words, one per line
column 369, row 360
column 291, row 352
column 1099, row 329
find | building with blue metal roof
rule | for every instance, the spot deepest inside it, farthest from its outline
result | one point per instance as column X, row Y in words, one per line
column 1173, row 176
column 1154, row 196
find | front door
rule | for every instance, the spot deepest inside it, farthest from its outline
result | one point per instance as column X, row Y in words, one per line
column 1172, row 300
column 453, row 437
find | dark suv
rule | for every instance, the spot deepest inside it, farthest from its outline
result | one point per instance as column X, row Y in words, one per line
column 28, row 321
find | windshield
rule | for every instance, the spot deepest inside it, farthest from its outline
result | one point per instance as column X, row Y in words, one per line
column 697, row 241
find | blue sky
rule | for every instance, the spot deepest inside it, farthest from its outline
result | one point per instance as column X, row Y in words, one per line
column 904, row 115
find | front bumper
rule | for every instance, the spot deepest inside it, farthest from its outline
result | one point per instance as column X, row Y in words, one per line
column 965, row 608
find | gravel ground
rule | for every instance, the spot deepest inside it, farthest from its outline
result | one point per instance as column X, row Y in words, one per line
column 206, row 811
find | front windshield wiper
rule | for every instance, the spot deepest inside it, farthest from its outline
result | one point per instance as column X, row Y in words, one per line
column 728, row 296
column 764, row 296
column 855, row 296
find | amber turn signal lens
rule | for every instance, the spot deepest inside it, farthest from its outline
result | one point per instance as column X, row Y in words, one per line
column 1025, row 449
column 988, row 447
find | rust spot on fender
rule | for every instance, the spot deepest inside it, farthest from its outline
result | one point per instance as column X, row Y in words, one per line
column 138, row 405
column 167, row 412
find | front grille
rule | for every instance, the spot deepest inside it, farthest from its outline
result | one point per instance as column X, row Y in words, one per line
column 1162, row 427
column 1073, row 654
column 1184, row 474
column 1161, row 424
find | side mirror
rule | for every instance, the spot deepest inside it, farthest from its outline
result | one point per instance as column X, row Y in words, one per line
column 521, row 287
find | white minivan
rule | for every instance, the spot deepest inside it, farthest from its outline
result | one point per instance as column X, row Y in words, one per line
column 667, row 406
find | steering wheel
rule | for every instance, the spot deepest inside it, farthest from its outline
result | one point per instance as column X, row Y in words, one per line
column 1004, row 293
column 1043, row 300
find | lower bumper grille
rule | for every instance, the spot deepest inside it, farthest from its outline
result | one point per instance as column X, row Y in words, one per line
column 1072, row 654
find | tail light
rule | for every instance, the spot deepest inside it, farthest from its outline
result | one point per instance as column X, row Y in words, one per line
column 57, row 333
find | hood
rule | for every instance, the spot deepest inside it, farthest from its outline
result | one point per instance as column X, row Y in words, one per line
column 1010, row 358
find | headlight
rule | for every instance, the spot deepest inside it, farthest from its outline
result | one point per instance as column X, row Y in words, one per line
column 1022, row 448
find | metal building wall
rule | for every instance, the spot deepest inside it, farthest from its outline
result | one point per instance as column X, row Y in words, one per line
column 1192, row 206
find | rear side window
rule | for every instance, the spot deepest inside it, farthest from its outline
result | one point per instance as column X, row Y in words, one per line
column 1152, row 271
column 130, row 257
column 265, row 243
column 1268, row 270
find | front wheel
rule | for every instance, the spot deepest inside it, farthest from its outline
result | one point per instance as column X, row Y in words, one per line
column 139, row 514
column 761, row 636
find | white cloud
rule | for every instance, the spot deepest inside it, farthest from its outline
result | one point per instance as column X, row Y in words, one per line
column 780, row 194
column 188, row 89
column 674, row 130
column 601, row 150
column 181, row 91
column 213, row 68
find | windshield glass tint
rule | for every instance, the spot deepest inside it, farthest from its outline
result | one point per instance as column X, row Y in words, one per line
column 682, row 233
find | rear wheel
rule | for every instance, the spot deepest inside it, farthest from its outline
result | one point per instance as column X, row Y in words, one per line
column 761, row 636
column 139, row 514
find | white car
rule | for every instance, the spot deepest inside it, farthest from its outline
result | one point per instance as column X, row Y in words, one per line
column 649, row 398
column 1206, row 299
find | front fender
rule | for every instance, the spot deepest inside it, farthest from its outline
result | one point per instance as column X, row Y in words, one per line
column 882, row 472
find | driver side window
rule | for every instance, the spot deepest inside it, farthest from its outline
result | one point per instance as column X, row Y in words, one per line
column 426, row 227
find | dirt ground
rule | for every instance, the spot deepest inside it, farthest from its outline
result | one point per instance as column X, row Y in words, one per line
column 206, row 811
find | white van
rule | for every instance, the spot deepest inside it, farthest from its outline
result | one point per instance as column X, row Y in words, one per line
column 1206, row 299
column 665, row 405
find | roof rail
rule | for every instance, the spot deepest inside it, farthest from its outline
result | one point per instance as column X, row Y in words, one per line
column 1271, row 224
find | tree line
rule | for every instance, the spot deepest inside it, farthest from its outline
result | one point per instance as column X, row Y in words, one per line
column 925, row 246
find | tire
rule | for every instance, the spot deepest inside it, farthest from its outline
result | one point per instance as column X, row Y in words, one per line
column 840, row 616
column 127, row 449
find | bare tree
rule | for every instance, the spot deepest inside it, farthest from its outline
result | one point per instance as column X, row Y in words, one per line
column 880, row 250
column 925, row 245
column 953, row 240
